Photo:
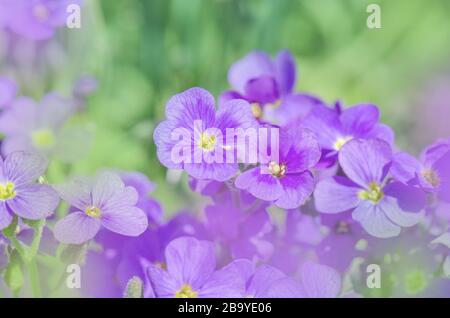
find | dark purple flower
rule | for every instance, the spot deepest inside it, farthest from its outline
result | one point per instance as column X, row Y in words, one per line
column 335, row 127
column 8, row 91
column 186, row 111
column 19, row 192
column 191, row 272
column 380, row 206
column 431, row 173
column 105, row 201
column 36, row 19
column 288, row 182
column 268, row 86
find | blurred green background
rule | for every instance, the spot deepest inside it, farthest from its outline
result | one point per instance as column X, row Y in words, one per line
column 143, row 52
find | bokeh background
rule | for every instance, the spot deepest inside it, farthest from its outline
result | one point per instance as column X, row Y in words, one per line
column 144, row 51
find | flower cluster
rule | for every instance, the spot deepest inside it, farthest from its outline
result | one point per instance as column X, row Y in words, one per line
column 295, row 197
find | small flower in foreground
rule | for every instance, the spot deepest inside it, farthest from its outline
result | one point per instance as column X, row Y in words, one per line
column 104, row 201
column 288, row 182
column 19, row 192
column 335, row 127
column 431, row 173
column 320, row 281
column 8, row 90
column 182, row 112
column 380, row 206
column 191, row 272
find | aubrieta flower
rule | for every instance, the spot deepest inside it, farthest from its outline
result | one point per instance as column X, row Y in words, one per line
column 35, row 19
column 183, row 111
column 382, row 206
column 104, row 201
column 335, row 127
column 8, row 91
column 19, row 193
column 268, row 86
column 319, row 281
column 431, row 173
column 31, row 127
column 191, row 272
column 288, row 182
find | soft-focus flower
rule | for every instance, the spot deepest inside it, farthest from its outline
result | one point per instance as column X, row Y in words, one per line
column 104, row 201
column 242, row 234
column 335, row 127
column 8, row 91
column 207, row 141
column 191, row 272
column 35, row 19
column 288, row 182
column 319, row 281
column 19, row 192
column 380, row 206
column 31, row 127
column 266, row 281
column 431, row 173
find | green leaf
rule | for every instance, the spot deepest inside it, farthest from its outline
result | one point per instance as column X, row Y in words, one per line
column 14, row 277
column 134, row 288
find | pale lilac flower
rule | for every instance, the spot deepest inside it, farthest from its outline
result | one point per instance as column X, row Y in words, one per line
column 35, row 19
column 19, row 193
column 102, row 202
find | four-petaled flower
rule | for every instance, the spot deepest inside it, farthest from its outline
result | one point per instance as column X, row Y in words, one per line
column 104, row 201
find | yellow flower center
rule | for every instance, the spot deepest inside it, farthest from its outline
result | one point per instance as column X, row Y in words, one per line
column 186, row 291
column 207, row 142
column 431, row 177
column 93, row 212
column 7, row 191
column 277, row 170
column 41, row 13
column 256, row 110
column 340, row 142
column 43, row 138
column 374, row 194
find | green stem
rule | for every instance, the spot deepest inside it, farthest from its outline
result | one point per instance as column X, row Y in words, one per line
column 34, row 278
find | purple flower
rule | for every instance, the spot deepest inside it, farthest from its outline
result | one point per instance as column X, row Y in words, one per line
column 19, row 192
column 191, row 272
column 104, row 201
column 266, row 281
column 144, row 188
column 207, row 141
column 31, row 127
column 36, row 19
column 288, row 182
column 381, row 206
column 320, row 281
column 431, row 173
column 334, row 127
column 8, row 91
column 268, row 85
